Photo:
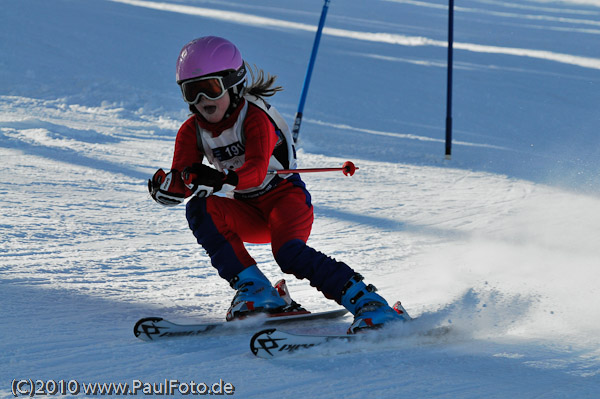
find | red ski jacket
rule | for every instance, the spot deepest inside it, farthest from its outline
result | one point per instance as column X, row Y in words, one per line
column 260, row 142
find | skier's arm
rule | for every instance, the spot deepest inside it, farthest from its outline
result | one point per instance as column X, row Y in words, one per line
column 186, row 152
column 168, row 188
column 260, row 143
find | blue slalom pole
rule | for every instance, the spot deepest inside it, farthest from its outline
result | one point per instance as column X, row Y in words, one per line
column 311, row 63
column 449, row 85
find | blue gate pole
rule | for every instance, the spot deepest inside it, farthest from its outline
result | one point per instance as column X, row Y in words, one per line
column 311, row 63
column 449, row 85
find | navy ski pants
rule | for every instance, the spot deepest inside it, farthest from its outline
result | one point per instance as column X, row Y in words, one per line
column 282, row 217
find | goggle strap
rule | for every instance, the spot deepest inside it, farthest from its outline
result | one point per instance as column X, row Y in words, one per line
column 235, row 78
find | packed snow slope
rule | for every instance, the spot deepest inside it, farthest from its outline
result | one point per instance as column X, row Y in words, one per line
column 500, row 242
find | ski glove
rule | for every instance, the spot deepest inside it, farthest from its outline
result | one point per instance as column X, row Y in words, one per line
column 166, row 188
column 203, row 180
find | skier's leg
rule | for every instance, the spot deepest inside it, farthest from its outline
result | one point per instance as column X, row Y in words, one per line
column 218, row 224
column 221, row 225
column 339, row 282
column 291, row 221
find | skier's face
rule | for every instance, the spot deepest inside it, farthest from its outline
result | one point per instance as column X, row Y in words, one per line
column 213, row 110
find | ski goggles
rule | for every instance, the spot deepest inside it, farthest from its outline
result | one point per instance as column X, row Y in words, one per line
column 211, row 87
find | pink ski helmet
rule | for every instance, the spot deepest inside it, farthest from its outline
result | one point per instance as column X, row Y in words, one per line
column 209, row 55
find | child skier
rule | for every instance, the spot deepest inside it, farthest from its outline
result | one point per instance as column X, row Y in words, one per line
column 243, row 137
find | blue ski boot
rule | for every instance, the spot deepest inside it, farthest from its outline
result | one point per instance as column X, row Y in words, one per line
column 255, row 294
column 370, row 310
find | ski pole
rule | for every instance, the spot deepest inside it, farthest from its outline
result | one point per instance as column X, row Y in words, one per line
column 347, row 168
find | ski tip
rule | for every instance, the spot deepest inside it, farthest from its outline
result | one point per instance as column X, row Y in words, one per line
column 140, row 326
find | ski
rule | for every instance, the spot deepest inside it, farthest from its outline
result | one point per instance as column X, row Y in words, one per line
column 157, row 328
column 271, row 342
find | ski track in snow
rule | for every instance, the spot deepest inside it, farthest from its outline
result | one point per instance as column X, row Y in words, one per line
column 511, row 264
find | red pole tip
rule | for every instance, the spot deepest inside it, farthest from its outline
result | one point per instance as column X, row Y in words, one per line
column 349, row 168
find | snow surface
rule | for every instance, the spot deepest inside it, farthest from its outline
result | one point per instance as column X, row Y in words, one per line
column 501, row 242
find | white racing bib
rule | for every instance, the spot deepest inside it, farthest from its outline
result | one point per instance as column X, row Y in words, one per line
column 227, row 151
